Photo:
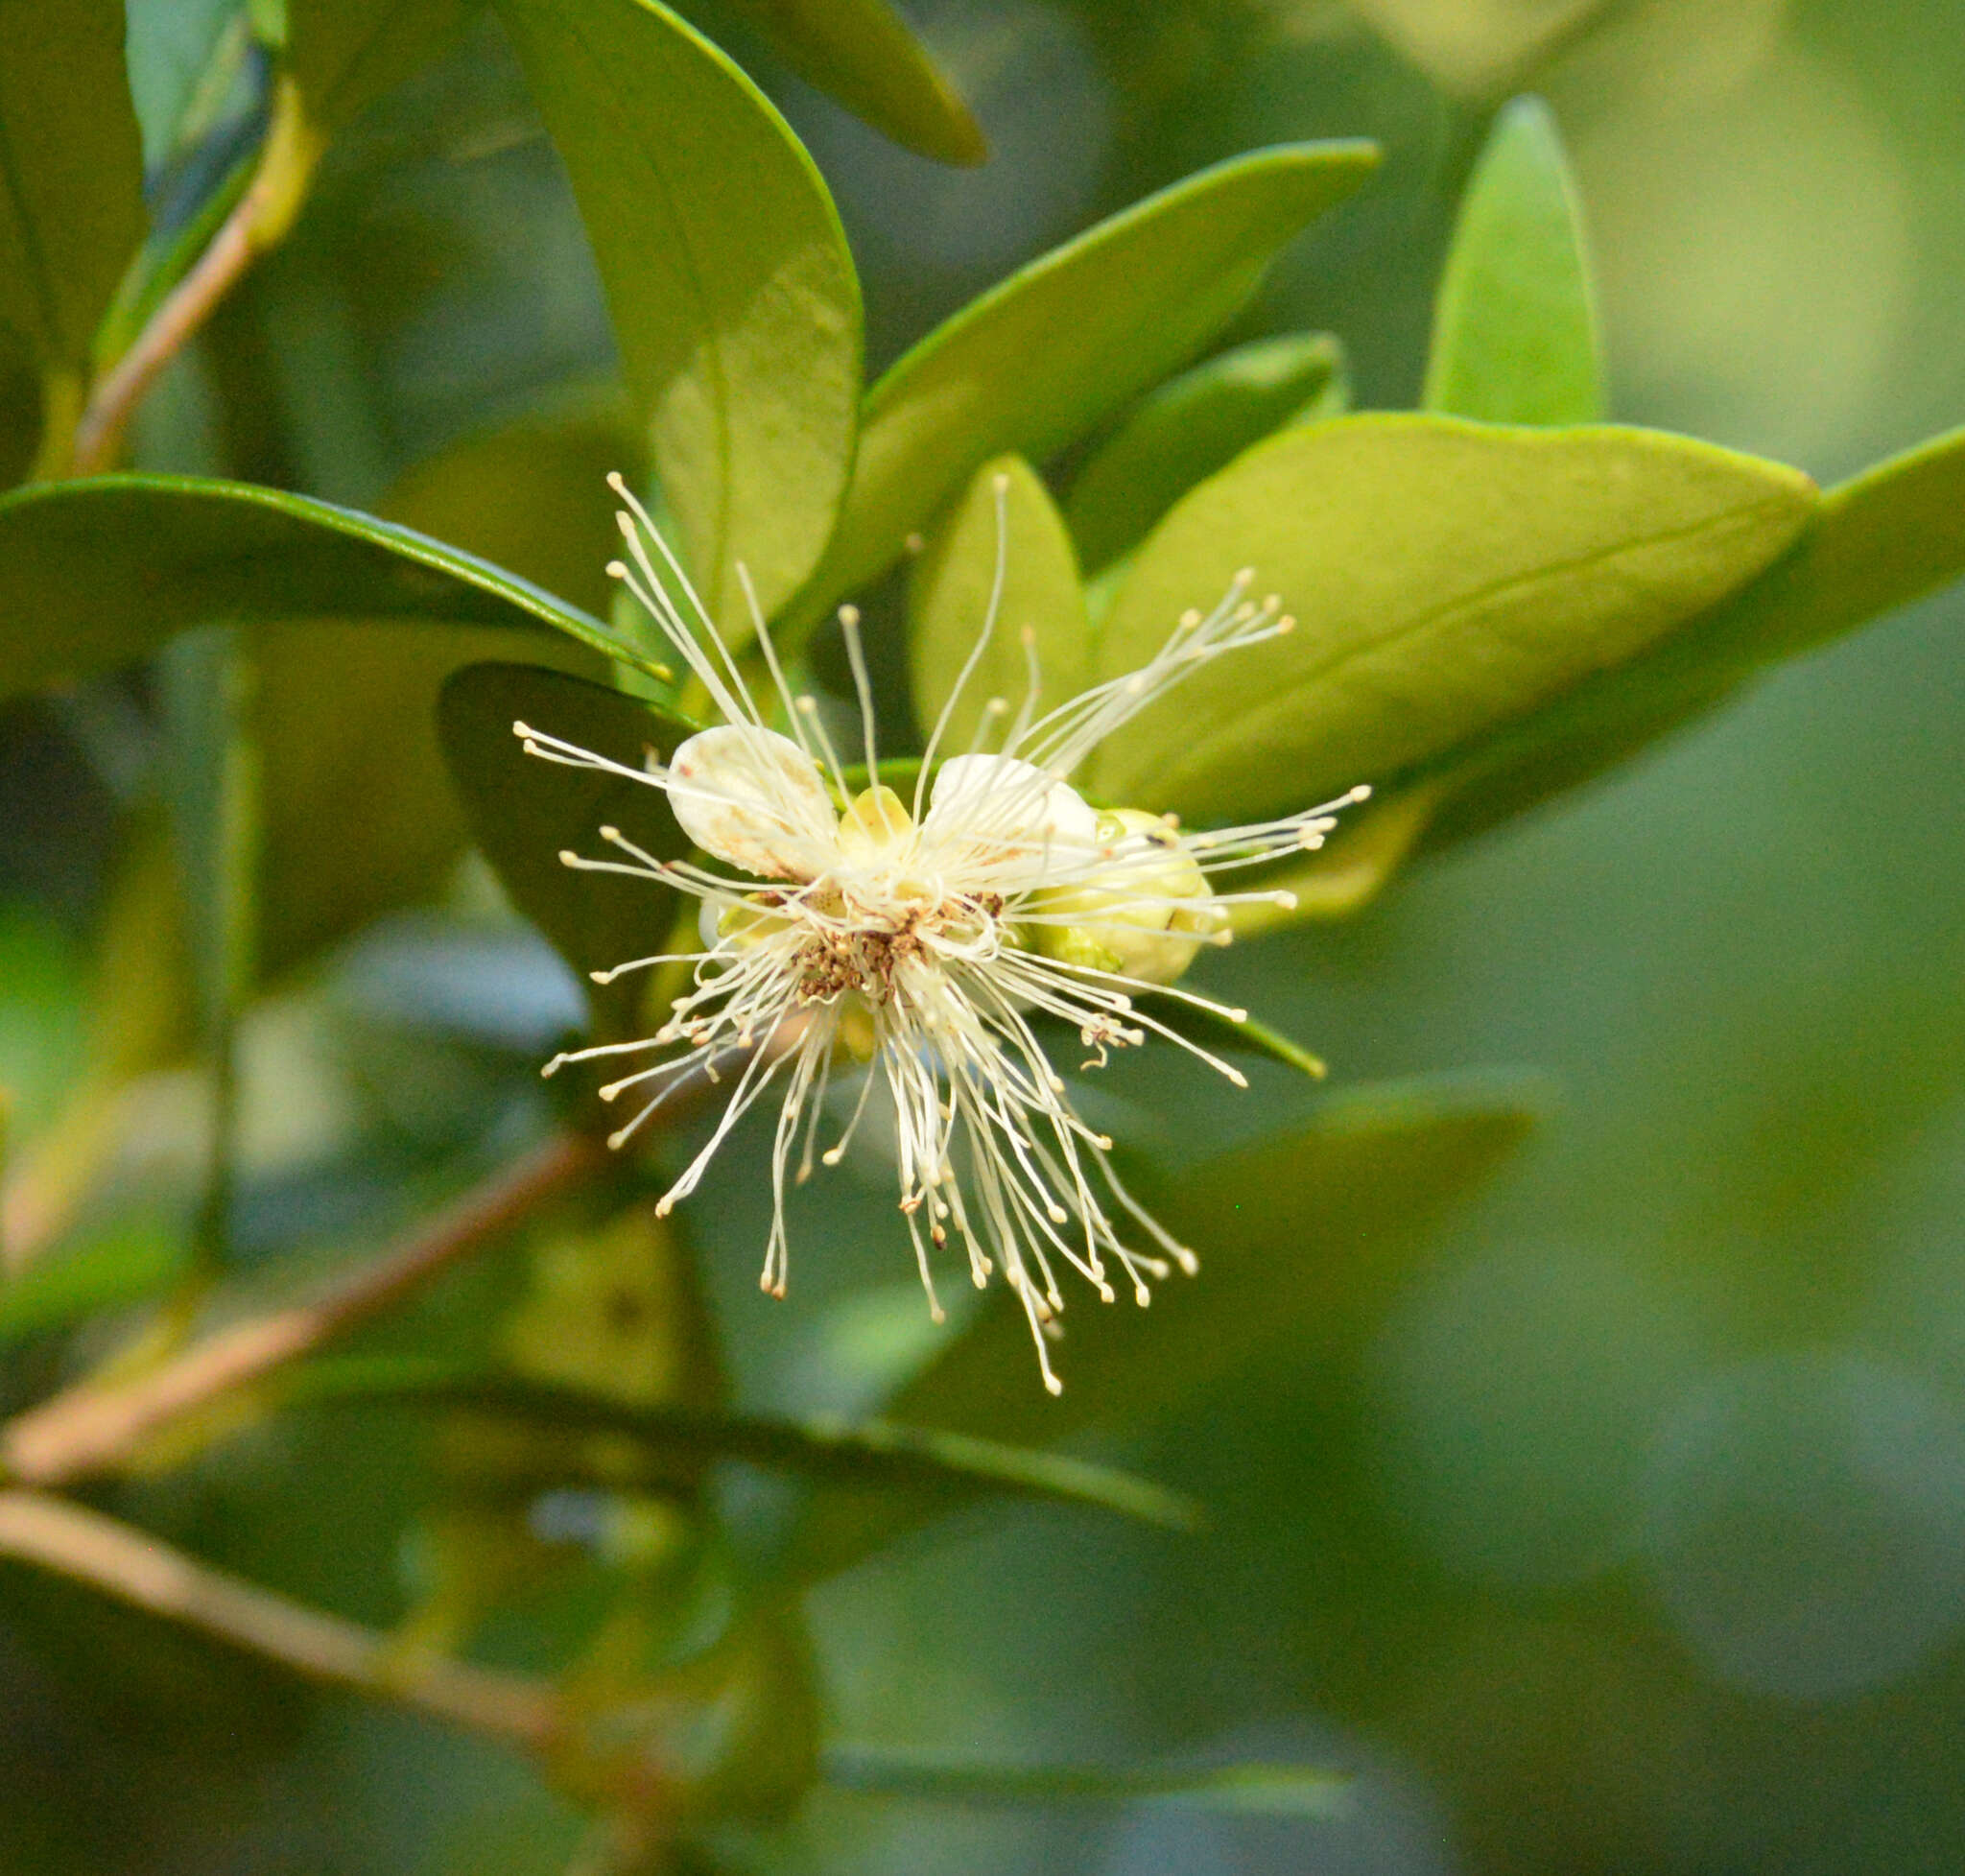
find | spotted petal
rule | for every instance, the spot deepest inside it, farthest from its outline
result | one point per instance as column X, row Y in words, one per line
column 755, row 799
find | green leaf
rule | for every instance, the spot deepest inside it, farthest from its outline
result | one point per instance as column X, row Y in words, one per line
column 345, row 54
column 1295, row 1234
column 728, row 274
column 1446, row 576
column 1275, row 1791
column 530, row 494
column 101, row 572
column 1193, row 425
column 1069, row 340
column 1881, row 540
column 1514, row 330
column 948, row 601
column 525, row 811
column 1237, row 1033
column 863, row 54
column 356, row 812
column 129, row 1265
column 71, row 173
column 953, row 1467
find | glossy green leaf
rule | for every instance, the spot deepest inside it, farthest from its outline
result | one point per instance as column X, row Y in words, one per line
column 1514, row 332
column 1192, row 426
column 524, row 813
column 949, row 602
column 71, row 173
column 1275, row 1791
column 1881, row 540
column 1446, row 576
column 864, row 53
column 1071, row 339
column 100, row 572
column 1297, row 1235
column 733, row 295
column 345, row 54
column 955, row 1468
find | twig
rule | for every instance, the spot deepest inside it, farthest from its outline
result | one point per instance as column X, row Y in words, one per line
column 260, row 219
column 90, row 1427
column 139, row 1569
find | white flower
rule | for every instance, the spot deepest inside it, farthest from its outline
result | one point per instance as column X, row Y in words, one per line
column 923, row 938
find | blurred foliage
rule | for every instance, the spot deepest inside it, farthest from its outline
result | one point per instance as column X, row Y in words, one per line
column 1604, row 1515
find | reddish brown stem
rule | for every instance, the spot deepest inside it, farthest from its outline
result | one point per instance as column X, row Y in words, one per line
column 261, row 217
column 89, row 1428
column 92, row 1549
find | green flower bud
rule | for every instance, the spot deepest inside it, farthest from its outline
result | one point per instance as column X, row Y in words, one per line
column 1144, row 915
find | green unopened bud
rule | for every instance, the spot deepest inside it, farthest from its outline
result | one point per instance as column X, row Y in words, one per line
column 1143, row 916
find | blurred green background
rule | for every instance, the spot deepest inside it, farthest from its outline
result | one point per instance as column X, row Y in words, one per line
column 1626, row 1531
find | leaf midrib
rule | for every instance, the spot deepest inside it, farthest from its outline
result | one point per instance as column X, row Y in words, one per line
column 1202, row 753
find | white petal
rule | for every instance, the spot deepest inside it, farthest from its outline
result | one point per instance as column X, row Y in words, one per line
column 754, row 799
column 1004, row 798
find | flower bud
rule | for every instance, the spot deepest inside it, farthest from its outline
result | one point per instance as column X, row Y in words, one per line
column 1144, row 915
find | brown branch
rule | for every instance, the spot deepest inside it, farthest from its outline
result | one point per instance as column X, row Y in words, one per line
column 126, row 1563
column 90, row 1427
column 259, row 220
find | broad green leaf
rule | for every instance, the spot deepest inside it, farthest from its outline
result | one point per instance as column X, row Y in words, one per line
column 953, row 1467
column 358, row 815
column 1071, row 339
column 345, row 54
column 531, row 494
column 356, row 812
column 1446, row 576
column 1881, row 540
column 101, row 572
column 949, row 603
column 1295, row 1235
column 1277, row 1790
column 1888, row 537
column 1193, row 425
column 525, row 811
column 864, row 53
column 1514, row 329
column 733, row 295
column 128, row 1266
column 71, row 173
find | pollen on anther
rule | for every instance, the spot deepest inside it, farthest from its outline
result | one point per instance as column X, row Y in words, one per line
column 617, row 570
column 568, row 858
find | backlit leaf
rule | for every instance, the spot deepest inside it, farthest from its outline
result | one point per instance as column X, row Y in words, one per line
column 948, row 601
column 865, row 55
column 1071, row 339
column 1514, row 333
column 733, row 295
column 1446, row 576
